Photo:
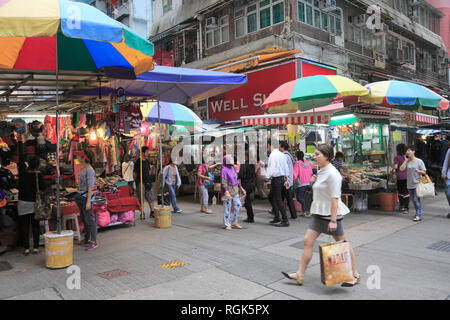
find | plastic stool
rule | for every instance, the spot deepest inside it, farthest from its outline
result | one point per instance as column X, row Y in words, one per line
column 72, row 216
column 345, row 197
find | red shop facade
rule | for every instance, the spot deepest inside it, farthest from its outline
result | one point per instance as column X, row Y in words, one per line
column 247, row 100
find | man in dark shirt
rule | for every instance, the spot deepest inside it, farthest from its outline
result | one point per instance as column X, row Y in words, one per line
column 247, row 176
column 146, row 180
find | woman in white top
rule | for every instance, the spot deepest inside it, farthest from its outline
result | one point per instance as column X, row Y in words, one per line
column 127, row 170
column 328, row 211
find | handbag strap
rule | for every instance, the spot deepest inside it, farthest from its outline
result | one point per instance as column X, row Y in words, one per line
column 37, row 182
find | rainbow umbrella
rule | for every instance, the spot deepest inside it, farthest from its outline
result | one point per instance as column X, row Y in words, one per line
column 404, row 95
column 69, row 36
column 170, row 113
column 62, row 35
column 311, row 92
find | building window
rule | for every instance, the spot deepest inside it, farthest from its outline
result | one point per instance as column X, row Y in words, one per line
column 219, row 34
column 373, row 42
column 427, row 19
column 258, row 16
column 310, row 13
column 395, row 43
column 354, row 34
column 400, row 5
column 167, row 5
column 239, row 23
column 408, row 52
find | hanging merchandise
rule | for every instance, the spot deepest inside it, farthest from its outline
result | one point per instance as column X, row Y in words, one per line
column 19, row 125
column 136, row 115
column 121, row 95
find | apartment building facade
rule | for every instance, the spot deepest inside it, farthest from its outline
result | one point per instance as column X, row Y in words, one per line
column 282, row 40
column 136, row 14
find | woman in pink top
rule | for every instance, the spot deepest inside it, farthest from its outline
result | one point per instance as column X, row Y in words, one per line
column 302, row 178
column 403, row 193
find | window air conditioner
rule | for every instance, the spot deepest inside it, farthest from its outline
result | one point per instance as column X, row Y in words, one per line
column 360, row 20
column 211, row 22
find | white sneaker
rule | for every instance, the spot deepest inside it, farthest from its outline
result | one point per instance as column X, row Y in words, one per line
column 416, row 219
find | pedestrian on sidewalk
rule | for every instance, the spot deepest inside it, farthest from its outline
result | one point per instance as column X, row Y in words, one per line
column 27, row 198
column 202, row 178
column 328, row 213
column 278, row 171
column 247, row 175
column 402, row 175
column 446, row 175
column 145, row 188
column 230, row 193
column 171, row 178
column 415, row 167
column 86, row 182
column 302, row 179
column 260, row 169
column 127, row 171
column 288, row 192
column 337, row 163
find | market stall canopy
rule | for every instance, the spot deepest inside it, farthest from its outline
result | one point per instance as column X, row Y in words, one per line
column 300, row 117
column 179, row 85
column 311, row 92
column 170, row 113
column 404, row 95
column 352, row 116
column 32, row 33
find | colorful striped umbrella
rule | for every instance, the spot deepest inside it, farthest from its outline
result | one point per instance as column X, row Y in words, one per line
column 311, row 92
column 404, row 95
column 33, row 32
column 170, row 113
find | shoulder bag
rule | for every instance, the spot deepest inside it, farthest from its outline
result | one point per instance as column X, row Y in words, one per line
column 425, row 188
column 42, row 208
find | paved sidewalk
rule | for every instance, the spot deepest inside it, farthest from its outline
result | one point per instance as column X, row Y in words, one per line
column 197, row 259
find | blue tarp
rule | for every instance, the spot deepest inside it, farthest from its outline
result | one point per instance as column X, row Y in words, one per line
column 171, row 84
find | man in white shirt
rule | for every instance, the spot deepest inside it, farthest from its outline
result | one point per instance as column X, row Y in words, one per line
column 288, row 193
column 278, row 171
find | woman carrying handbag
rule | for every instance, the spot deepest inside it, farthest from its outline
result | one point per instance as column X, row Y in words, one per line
column 30, row 181
column 328, row 212
column 415, row 167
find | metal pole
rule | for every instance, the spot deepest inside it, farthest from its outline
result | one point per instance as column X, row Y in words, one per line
column 58, row 177
column 315, row 123
column 142, row 186
column 160, row 156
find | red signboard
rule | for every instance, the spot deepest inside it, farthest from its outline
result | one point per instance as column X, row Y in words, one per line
column 246, row 100
column 312, row 69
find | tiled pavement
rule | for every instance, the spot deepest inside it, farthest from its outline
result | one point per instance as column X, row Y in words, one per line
column 243, row 264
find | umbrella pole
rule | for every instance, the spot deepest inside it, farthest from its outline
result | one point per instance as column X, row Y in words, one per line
column 160, row 156
column 58, row 178
column 142, row 186
column 315, row 123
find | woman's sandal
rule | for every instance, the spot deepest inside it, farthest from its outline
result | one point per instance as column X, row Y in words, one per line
column 26, row 253
column 298, row 281
column 228, row 228
column 36, row 251
column 353, row 283
column 236, row 226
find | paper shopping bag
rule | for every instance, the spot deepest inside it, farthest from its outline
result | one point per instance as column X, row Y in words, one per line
column 335, row 263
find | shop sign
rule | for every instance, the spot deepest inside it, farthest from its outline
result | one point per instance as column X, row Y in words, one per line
column 246, row 100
